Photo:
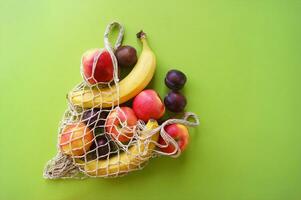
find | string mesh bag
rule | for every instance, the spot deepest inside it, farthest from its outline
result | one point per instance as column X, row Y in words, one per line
column 92, row 132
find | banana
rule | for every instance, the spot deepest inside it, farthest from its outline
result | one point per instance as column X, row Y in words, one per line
column 136, row 156
column 129, row 87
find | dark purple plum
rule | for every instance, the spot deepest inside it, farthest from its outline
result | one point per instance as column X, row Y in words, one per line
column 175, row 102
column 126, row 56
column 102, row 147
column 94, row 115
column 175, row 79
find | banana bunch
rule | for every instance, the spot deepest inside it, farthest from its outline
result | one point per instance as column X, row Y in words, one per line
column 129, row 160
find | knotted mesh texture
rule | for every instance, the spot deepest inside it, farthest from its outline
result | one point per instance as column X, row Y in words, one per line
column 91, row 132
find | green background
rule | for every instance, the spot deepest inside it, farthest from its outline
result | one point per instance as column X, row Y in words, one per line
column 242, row 59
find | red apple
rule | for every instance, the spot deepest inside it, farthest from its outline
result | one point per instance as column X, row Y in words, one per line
column 103, row 70
column 148, row 105
column 120, row 123
column 179, row 133
column 75, row 139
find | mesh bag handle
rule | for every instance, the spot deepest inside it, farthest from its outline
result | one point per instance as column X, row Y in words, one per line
column 189, row 119
column 110, row 49
column 108, row 30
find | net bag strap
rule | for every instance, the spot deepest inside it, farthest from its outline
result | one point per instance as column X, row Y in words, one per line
column 189, row 119
column 108, row 30
column 111, row 49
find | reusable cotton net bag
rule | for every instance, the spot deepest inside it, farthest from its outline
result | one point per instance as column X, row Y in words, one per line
column 85, row 146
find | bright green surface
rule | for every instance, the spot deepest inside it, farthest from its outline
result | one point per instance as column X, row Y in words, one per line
column 243, row 65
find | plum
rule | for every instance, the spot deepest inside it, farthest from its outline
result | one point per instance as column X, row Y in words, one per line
column 175, row 101
column 94, row 117
column 102, row 147
column 175, row 79
column 126, row 56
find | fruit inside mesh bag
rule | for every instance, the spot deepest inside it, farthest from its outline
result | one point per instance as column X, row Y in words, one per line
column 97, row 136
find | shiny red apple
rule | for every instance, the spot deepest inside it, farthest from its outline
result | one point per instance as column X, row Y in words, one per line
column 100, row 72
column 75, row 139
column 120, row 123
column 148, row 105
column 179, row 133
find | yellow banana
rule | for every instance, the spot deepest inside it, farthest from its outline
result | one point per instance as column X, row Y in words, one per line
column 135, row 156
column 129, row 87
